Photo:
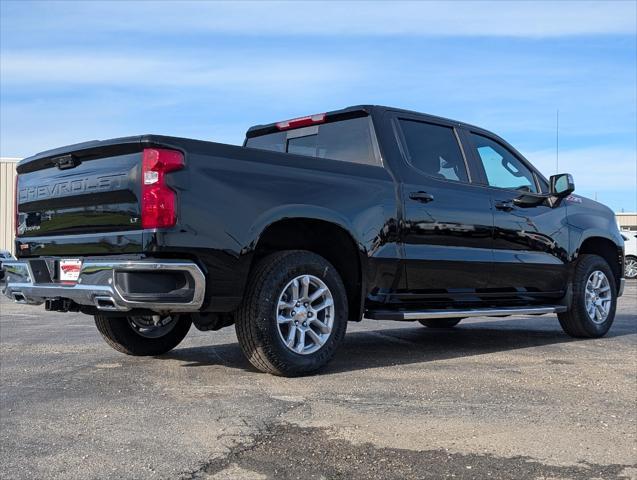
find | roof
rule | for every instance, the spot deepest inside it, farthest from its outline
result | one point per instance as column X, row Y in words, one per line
column 351, row 111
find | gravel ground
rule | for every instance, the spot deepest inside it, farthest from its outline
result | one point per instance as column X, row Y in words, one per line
column 493, row 398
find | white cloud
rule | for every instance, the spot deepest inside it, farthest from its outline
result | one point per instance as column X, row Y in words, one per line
column 430, row 18
column 51, row 68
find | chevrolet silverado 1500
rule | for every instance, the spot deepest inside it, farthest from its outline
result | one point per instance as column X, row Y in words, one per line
column 367, row 212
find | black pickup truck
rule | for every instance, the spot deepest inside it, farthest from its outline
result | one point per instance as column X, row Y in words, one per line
column 368, row 212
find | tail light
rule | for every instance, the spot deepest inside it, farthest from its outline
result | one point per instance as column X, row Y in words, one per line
column 159, row 202
column 301, row 122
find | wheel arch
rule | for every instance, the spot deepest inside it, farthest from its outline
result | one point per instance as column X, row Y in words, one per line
column 328, row 237
column 607, row 249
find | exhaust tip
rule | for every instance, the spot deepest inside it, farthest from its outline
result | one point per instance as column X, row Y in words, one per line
column 19, row 297
column 105, row 303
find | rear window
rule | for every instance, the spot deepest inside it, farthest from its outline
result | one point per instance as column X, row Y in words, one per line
column 347, row 140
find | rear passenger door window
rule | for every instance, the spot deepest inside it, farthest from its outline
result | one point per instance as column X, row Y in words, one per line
column 501, row 167
column 434, row 150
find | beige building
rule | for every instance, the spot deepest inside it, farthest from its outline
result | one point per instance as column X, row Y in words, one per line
column 627, row 220
column 7, row 199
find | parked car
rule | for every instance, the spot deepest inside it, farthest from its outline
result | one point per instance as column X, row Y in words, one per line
column 4, row 255
column 630, row 247
column 367, row 212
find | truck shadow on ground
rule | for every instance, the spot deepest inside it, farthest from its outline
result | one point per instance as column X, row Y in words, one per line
column 408, row 345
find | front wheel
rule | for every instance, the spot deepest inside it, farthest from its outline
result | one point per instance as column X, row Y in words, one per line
column 594, row 299
column 143, row 335
column 294, row 314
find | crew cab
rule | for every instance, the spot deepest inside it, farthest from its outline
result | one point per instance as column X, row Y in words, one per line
column 366, row 212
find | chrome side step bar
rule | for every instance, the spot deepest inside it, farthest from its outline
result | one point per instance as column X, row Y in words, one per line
column 408, row 315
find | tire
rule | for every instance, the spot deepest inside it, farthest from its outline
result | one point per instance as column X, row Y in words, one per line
column 261, row 335
column 631, row 266
column 440, row 322
column 577, row 322
column 121, row 334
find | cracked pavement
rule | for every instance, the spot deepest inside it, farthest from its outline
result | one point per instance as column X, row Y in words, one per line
column 492, row 398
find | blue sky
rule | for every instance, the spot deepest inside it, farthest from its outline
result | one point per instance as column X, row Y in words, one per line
column 75, row 71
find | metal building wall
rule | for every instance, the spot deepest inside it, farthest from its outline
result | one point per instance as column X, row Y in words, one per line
column 7, row 215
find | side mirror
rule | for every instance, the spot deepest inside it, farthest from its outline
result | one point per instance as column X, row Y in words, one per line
column 562, row 185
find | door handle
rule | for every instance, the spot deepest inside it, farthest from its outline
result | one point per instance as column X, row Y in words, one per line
column 505, row 206
column 423, row 197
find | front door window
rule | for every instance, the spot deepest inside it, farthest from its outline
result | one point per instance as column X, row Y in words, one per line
column 503, row 169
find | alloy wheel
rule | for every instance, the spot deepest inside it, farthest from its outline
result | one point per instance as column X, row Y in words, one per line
column 305, row 314
column 598, row 297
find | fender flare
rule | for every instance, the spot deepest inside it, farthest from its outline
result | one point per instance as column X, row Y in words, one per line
column 595, row 233
column 301, row 212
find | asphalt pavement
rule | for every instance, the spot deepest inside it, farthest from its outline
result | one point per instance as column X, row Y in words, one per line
column 492, row 398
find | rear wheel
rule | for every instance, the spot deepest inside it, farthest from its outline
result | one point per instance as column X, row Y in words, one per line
column 143, row 335
column 440, row 322
column 294, row 314
column 594, row 299
column 630, row 270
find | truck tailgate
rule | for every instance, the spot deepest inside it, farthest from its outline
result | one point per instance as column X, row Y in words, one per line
column 90, row 188
column 97, row 195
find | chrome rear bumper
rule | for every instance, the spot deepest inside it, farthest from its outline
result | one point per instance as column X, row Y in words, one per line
column 97, row 285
